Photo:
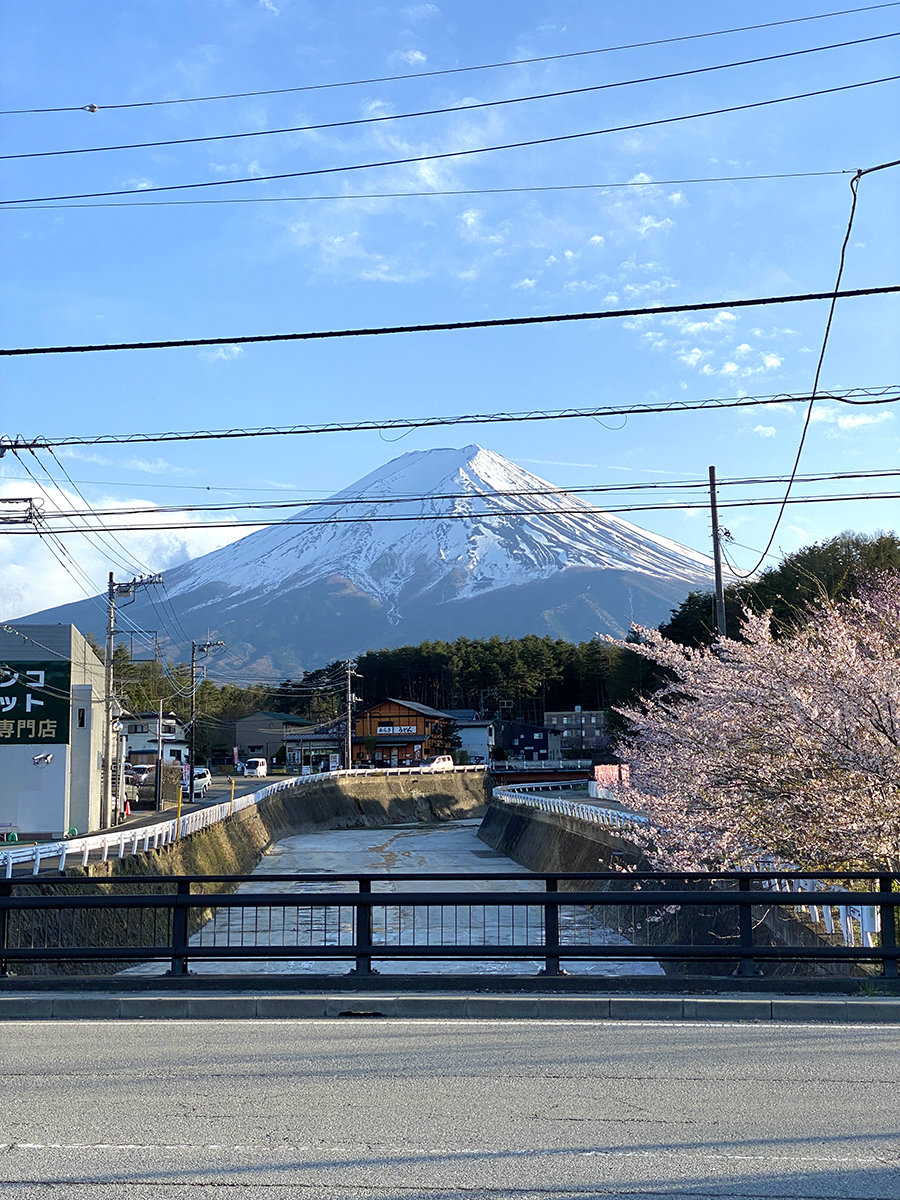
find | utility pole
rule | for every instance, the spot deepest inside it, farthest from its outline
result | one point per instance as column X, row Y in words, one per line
column 114, row 590
column 717, row 555
column 351, row 671
column 204, row 648
column 157, row 791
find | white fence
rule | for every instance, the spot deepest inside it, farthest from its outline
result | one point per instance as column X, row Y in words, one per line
column 856, row 925
column 134, row 840
column 594, row 814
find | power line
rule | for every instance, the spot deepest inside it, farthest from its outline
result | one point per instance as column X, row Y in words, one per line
column 854, row 188
column 502, row 191
column 451, row 326
column 584, row 509
column 517, row 62
column 344, row 501
column 462, row 153
column 857, row 396
column 448, row 109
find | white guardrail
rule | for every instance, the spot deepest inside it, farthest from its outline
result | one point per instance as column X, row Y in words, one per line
column 856, row 924
column 594, row 814
column 136, row 839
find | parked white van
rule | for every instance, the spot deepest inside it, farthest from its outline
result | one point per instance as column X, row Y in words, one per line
column 438, row 762
column 256, row 766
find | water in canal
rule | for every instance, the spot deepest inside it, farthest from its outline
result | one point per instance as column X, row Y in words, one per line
column 445, row 847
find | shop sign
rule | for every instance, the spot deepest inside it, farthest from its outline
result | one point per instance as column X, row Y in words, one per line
column 34, row 702
column 396, row 729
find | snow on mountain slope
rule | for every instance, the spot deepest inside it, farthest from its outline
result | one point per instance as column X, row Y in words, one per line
column 397, row 535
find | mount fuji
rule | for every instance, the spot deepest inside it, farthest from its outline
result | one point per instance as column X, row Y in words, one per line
column 435, row 544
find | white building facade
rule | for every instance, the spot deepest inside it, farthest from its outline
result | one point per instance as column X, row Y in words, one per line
column 52, row 714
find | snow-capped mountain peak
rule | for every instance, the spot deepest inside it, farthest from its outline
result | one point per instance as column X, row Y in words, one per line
column 463, row 521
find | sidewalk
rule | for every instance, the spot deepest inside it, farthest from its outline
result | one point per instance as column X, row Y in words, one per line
column 241, row 1005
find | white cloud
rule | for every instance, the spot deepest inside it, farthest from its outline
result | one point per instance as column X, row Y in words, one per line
column 525, row 283
column 31, row 578
column 221, row 353
column 766, row 431
column 473, row 229
column 412, row 58
column 648, row 224
column 420, row 12
column 270, row 6
column 858, row 420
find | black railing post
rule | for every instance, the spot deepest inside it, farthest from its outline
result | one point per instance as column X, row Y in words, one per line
column 180, row 912
column 5, row 892
column 551, row 932
column 746, row 965
column 364, row 932
column 888, row 914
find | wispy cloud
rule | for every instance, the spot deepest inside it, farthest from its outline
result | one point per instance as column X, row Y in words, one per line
column 221, row 353
column 766, row 431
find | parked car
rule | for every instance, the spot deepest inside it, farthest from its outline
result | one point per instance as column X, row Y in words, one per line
column 256, row 766
column 437, row 762
column 202, row 780
column 143, row 773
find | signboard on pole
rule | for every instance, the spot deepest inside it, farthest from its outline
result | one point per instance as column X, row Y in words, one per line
column 34, row 702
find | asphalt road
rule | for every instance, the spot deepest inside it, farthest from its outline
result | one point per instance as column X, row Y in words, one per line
column 378, row 1110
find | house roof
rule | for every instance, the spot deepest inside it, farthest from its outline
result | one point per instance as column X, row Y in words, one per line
column 320, row 738
column 419, row 708
column 284, row 718
column 151, row 716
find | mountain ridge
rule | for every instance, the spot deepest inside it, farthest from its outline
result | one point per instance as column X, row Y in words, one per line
column 441, row 543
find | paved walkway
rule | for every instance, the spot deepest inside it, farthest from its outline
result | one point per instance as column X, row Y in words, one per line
column 165, row 1003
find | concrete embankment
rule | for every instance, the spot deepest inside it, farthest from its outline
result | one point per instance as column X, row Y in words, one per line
column 553, row 842
column 351, row 802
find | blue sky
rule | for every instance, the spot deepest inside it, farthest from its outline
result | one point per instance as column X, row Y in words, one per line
column 344, row 250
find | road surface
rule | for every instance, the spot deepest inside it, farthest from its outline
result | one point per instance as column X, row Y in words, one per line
column 379, row 1110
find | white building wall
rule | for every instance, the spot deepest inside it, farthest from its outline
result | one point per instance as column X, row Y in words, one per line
column 64, row 794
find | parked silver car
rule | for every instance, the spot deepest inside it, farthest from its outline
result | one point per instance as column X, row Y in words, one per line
column 202, row 780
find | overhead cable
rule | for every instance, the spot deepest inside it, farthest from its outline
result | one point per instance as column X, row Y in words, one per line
column 374, row 501
column 504, row 514
column 854, row 189
column 856, row 397
column 454, row 109
column 517, row 62
column 461, row 153
column 558, row 187
column 660, row 310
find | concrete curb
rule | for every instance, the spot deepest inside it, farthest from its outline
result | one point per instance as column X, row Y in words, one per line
column 73, row 1006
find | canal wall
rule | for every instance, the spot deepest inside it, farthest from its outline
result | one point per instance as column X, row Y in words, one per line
column 235, row 846
column 552, row 841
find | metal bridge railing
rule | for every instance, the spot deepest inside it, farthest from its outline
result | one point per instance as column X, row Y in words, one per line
column 315, row 922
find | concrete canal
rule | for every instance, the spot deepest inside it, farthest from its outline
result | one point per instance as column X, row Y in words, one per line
column 440, row 848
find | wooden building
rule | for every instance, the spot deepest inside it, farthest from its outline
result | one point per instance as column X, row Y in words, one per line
column 399, row 733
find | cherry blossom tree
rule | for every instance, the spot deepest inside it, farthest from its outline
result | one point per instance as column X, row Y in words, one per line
column 784, row 749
